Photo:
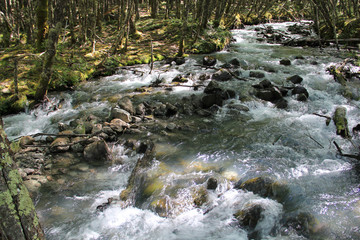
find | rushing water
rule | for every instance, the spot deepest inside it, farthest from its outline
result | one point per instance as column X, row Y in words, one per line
column 292, row 146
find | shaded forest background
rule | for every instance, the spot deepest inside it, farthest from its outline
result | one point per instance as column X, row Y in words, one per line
column 57, row 44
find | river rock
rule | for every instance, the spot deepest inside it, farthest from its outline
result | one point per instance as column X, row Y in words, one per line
column 305, row 224
column 296, row 79
column 285, row 62
column 264, row 84
column 26, row 140
column 212, row 183
column 121, row 114
column 271, row 94
column 222, row 75
column 301, row 97
column 341, row 122
column 249, row 218
column 300, row 90
column 32, row 185
column 239, row 107
column 97, row 151
column 256, row 74
column 200, row 196
column 30, row 158
column 209, row 61
column 126, row 104
column 118, row 125
column 60, row 144
column 265, row 187
column 235, row 62
column 212, row 99
column 140, row 109
column 212, row 87
column 96, row 128
column 281, row 103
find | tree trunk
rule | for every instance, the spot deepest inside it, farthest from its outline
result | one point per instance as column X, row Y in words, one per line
column 17, row 211
column 47, row 65
column 42, row 17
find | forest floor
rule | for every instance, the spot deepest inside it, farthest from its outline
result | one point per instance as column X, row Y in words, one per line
column 77, row 63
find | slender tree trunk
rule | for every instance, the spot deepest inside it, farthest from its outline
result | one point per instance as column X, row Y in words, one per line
column 42, row 17
column 47, row 65
column 17, row 212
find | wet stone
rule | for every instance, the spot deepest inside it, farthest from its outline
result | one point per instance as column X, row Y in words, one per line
column 209, row 61
column 212, row 183
column 285, row 62
column 296, row 79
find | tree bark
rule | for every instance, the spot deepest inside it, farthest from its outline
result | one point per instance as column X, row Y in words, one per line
column 42, row 17
column 47, row 65
column 17, row 211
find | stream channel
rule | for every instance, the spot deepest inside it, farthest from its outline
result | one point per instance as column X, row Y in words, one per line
column 291, row 146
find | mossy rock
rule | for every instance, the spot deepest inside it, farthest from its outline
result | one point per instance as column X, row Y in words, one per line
column 156, row 185
column 200, row 196
column 266, row 187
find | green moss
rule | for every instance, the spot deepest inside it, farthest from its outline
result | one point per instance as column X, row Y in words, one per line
column 14, row 181
column 7, row 200
column 154, row 186
column 26, row 205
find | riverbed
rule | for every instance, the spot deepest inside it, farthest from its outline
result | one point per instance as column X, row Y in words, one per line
column 292, row 146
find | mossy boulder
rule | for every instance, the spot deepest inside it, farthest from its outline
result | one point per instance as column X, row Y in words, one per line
column 341, row 122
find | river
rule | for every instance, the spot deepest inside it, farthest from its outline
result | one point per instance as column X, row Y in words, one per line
column 290, row 145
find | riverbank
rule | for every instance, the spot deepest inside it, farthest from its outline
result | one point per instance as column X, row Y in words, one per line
column 155, row 39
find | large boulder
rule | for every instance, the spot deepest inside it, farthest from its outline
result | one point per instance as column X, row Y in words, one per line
column 97, row 152
column 209, row 61
column 222, row 75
